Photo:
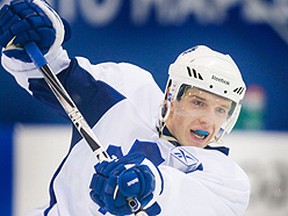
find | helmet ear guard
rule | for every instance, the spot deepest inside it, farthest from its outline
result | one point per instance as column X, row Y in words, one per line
column 164, row 111
column 165, row 107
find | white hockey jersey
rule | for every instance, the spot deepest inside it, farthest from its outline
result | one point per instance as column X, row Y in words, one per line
column 121, row 103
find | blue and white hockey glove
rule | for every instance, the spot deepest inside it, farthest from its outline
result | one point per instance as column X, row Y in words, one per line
column 25, row 21
column 132, row 176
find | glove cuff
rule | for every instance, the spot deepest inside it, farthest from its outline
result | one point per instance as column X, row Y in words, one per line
column 23, row 71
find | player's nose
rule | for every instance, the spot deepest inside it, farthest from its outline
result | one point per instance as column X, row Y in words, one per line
column 207, row 116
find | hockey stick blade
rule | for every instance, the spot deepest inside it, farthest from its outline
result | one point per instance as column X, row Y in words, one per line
column 74, row 114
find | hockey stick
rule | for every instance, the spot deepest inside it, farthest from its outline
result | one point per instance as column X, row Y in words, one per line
column 74, row 114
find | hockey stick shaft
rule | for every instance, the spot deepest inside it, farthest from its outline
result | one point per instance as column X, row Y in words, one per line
column 73, row 112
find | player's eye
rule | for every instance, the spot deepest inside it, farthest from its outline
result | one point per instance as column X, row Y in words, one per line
column 221, row 110
column 198, row 103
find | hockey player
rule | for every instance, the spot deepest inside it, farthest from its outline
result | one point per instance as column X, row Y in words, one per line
column 170, row 162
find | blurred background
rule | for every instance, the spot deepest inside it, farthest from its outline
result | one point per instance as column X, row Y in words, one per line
column 151, row 34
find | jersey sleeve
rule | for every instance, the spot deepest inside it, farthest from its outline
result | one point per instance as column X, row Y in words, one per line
column 94, row 88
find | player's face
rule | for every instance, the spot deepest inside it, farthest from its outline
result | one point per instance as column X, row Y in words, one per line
column 196, row 118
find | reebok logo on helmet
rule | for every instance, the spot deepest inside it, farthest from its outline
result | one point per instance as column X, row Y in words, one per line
column 221, row 80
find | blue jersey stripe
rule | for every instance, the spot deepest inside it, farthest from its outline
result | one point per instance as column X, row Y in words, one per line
column 53, row 199
column 6, row 167
column 99, row 101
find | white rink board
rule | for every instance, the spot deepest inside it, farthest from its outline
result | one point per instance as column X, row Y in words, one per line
column 263, row 155
column 37, row 152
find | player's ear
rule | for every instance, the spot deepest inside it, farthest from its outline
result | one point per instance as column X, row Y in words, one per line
column 172, row 106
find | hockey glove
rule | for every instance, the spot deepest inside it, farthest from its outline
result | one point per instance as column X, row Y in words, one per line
column 25, row 21
column 132, row 176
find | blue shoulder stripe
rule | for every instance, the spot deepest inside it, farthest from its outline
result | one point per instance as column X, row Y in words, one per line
column 99, row 100
column 88, row 94
column 92, row 97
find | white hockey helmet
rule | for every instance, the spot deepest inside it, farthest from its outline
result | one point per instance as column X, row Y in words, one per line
column 211, row 71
